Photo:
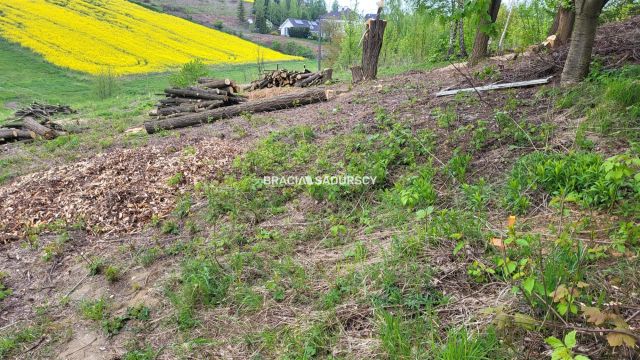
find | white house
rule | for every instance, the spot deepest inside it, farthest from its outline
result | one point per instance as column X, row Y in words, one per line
column 313, row 26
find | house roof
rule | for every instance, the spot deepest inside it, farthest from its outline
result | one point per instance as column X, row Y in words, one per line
column 312, row 25
column 338, row 15
column 370, row 16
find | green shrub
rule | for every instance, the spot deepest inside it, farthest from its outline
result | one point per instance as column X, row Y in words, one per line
column 299, row 32
column 105, row 83
column 189, row 73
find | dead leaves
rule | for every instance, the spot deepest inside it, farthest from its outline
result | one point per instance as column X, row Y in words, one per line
column 620, row 336
column 118, row 191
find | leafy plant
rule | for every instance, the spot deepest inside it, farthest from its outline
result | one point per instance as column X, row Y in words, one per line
column 562, row 349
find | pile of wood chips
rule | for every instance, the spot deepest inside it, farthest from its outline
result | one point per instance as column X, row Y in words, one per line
column 114, row 192
column 208, row 94
column 281, row 78
column 32, row 122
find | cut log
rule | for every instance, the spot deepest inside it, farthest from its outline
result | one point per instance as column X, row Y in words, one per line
column 309, row 80
column 269, row 104
column 356, row 74
column 303, row 76
column 196, row 94
column 497, row 86
column 371, row 45
column 211, row 91
column 186, row 108
column 214, row 83
column 30, row 124
column 15, row 134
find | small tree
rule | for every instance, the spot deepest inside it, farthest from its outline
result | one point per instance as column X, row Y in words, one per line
column 261, row 16
column 241, row 11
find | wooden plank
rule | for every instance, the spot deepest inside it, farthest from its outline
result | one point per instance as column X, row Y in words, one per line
column 497, row 86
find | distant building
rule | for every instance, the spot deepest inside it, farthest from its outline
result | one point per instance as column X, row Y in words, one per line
column 313, row 26
column 368, row 17
column 337, row 16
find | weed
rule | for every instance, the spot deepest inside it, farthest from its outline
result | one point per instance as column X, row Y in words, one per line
column 96, row 266
column 93, row 309
column 170, row 227
column 4, row 290
column 461, row 345
column 176, row 179
column 105, row 83
column 112, row 273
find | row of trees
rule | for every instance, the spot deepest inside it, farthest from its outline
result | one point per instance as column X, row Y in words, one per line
column 271, row 13
column 426, row 31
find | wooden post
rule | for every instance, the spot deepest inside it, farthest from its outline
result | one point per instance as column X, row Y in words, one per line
column 371, row 45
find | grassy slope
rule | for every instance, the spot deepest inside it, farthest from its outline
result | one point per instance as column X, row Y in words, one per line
column 26, row 77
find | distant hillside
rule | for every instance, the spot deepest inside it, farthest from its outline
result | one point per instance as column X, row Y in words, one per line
column 90, row 36
column 210, row 12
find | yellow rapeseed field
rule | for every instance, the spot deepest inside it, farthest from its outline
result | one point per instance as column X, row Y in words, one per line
column 94, row 35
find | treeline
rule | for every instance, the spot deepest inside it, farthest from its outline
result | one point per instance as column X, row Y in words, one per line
column 269, row 14
column 427, row 31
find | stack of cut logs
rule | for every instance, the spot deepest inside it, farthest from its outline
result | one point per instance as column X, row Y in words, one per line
column 208, row 94
column 280, row 78
column 33, row 122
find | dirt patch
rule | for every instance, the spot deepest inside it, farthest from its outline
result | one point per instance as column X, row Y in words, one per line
column 113, row 192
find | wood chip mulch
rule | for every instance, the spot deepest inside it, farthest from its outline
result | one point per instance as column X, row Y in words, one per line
column 114, row 192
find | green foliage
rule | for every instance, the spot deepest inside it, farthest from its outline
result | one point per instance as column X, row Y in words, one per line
column 112, row 273
column 394, row 336
column 202, row 283
column 562, row 349
column 95, row 266
column 105, row 83
column 583, row 177
column 94, row 309
column 461, row 345
column 189, row 73
column 293, row 48
column 10, row 343
column 299, row 32
column 148, row 353
column 4, row 290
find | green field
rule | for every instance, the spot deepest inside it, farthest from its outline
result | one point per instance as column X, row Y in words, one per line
column 26, row 77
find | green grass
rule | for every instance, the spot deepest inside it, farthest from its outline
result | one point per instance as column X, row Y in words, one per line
column 26, row 77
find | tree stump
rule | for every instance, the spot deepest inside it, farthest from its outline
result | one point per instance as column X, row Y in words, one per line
column 371, row 45
column 356, row 74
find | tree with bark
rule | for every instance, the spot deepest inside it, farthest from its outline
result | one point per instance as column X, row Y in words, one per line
column 576, row 67
column 487, row 19
column 562, row 25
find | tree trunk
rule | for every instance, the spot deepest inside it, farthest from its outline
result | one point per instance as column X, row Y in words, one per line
column 371, row 46
column 482, row 37
column 268, row 104
column 30, row 124
column 554, row 25
column 565, row 26
column 196, row 94
column 576, row 67
column 461, row 43
column 452, row 30
column 356, row 74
